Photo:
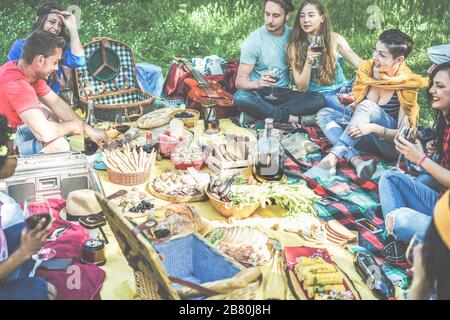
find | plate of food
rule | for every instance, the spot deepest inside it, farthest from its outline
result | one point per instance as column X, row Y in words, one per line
column 183, row 219
column 180, row 186
column 155, row 119
column 247, row 245
column 134, row 204
column 314, row 276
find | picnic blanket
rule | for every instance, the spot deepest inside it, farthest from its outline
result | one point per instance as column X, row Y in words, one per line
column 119, row 283
column 358, row 198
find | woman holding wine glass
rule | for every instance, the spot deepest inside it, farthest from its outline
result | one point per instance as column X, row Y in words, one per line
column 385, row 91
column 17, row 242
column 315, row 53
column 408, row 204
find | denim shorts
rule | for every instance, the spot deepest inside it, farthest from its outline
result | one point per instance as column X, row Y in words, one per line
column 26, row 142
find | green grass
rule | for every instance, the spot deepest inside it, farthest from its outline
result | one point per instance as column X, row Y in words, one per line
column 160, row 30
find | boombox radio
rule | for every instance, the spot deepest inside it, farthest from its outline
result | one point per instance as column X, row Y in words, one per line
column 49, row 175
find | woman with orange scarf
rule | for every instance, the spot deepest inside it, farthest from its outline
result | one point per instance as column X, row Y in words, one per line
column 385, row 93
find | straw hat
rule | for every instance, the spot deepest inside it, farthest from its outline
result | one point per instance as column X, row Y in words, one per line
column 80, row 203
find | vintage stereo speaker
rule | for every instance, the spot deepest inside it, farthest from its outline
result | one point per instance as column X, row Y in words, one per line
column 50, row 175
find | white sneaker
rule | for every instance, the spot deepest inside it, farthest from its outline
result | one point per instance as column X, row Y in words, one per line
column 366, row 169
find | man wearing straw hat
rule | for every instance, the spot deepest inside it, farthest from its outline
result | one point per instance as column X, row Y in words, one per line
column 23, row 88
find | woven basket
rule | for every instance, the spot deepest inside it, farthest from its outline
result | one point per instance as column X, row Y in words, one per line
column 234, row 211
column 188, row 122
column 120, row 93
column 128, row 179
column 184, row 257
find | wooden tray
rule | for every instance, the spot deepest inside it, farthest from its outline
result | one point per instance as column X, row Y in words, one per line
column 196, row 198
column 292, row 253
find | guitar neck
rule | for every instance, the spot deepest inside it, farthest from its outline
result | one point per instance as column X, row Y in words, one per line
column 195, row 73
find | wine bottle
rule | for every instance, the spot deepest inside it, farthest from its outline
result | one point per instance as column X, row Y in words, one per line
column 375, row 278
column 270, row 158
column 90, row 147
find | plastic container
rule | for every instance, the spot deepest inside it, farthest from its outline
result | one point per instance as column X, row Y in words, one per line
column 198, row 162
column 165, row 146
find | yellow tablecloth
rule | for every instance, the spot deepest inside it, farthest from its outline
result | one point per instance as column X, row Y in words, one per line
column 119, row 283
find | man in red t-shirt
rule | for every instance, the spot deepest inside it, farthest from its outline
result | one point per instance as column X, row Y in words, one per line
column 23, row 88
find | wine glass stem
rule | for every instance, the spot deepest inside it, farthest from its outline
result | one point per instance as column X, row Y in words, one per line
column 36, row 265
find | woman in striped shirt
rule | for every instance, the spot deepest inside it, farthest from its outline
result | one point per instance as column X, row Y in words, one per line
column 385, row 92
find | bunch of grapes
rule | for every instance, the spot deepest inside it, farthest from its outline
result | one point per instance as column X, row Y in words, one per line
column 142, row 207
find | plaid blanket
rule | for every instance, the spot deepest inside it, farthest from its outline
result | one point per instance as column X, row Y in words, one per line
column 358, row 198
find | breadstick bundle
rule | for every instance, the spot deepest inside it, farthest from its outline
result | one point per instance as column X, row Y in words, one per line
column 128, row 160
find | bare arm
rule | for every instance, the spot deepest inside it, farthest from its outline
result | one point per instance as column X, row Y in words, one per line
column 414, row 152
column 347, row 52
column 243, row 81
column 389, row 134
column 59, row 107
column 48, row 131
column 437, row 171
column 71, row 23
column 30, row 242
column 303, row 78
column 64, row 112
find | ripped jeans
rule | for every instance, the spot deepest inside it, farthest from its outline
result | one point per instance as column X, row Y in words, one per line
column 409, row 202
column 334, row 125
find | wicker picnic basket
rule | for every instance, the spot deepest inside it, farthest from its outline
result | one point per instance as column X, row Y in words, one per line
column 109, row 80
column 189, row 258
column 128, row 179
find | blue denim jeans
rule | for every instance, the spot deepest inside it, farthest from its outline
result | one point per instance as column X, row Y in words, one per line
column 288, row 103
column 26, row 142
column 332, row 101
column 18, row 286
column 410, row 202
column 335, row 124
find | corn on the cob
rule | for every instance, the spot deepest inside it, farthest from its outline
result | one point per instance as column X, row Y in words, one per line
column 312, row 279
column 302, row 271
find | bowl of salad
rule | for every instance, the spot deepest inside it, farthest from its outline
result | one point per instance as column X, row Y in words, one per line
column 230, row 198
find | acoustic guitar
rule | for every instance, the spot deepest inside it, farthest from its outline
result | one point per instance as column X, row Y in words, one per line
column 205, row 91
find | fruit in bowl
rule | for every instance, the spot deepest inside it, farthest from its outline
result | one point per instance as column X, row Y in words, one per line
column 184, row 157
column 167, row 142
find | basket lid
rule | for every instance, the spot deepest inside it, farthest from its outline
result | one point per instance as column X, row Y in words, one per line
column 104, row 64
column 110, row 67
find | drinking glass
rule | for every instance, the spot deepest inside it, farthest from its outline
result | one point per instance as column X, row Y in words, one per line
column 415, row 241
column 273, row 72
column 318, row 46
column 36, row 208
column 122, row 123
column 410, row 134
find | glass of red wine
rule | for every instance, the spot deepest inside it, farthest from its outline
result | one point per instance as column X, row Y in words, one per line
column 122, row 123
column 409, row 133
column 317, row 46
column 37, row 208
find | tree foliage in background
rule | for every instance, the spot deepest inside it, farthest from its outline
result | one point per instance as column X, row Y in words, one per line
column 160, row 30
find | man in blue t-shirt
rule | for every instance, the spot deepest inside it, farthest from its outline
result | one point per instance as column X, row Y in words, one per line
column 262, row 92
